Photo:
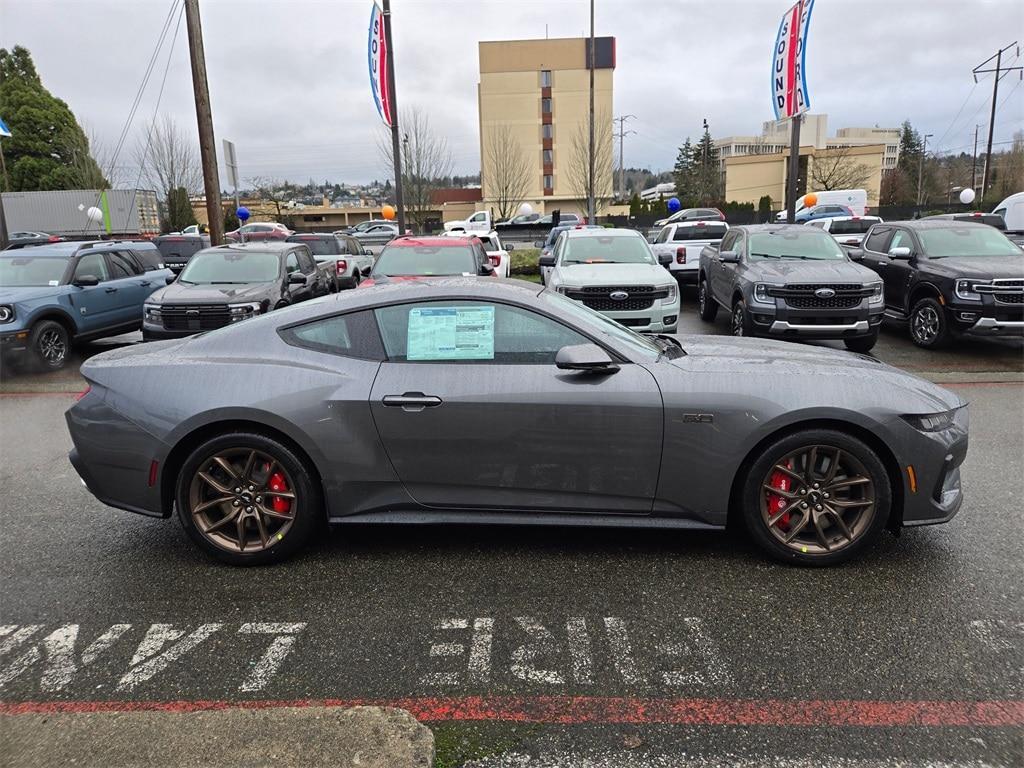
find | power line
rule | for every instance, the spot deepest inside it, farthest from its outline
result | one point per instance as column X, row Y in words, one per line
column 999, row 69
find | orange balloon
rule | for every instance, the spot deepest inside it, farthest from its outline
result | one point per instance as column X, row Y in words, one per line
column 810, row 200
column 387, row 212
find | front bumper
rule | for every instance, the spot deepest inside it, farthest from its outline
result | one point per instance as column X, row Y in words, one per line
column 657, row 319
column 783, row 321
column 152, row 332
column 991, row 326
column 14, row 343
column 930, row 468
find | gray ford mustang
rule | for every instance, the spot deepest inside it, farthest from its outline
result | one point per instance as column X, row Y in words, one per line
column 484, row 401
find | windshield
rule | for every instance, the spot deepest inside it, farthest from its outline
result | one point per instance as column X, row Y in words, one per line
column 607, row 249
column 598, row 325
column 318, row 246
column 24, row 271
column 852, row 226
column 426, row 260
column 210, row 267
column 812, row 244
column 966, row 241
column 181, row 246
column 700, row 232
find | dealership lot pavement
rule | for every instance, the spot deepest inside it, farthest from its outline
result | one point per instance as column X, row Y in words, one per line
column 553, row 646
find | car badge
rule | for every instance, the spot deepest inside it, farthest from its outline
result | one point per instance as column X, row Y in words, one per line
column 618, row 295
column 824, row 293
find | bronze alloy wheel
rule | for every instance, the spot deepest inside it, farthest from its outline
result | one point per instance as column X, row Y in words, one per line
column 242, row 500
column 817, row 500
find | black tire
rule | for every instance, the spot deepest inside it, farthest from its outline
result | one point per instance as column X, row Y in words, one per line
column 49, row 345
column 929, row 327
column 282, row 304
column 740, row 323
column 306, row 509
column 862, row 344
column 707, row 307
column 865, row 532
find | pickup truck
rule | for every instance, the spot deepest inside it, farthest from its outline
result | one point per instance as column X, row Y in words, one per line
column 791, row 282
column 497, row 252
column 681, row 243
column 478, row 222
column 55, row 295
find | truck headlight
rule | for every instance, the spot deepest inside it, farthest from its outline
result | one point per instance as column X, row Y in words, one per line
column 876, row 296
column 761, row 294
column 151, row 313
column 239, row 312
column 670, row 297
column 6, row 313
column 561, row 289
column 964, row 290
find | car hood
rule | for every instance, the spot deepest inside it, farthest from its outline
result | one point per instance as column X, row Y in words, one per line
column 798, row 271
column 770, row 361
column 180, row 293
column 990, row 267
column 613, row 274
column 13, row 295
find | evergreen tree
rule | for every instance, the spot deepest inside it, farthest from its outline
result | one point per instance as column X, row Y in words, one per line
column 179, row 210
column 635, row 205
column 48, row 148
column 706, row 171
column 682, row 172
column 911, row 149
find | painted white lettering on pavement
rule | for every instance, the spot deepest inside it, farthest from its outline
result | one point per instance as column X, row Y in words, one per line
column 700, row 648
column 524, row 656
column 579, row 650
column 270, row 662
column 59, row 650
column 622, row 651
column 149, row 660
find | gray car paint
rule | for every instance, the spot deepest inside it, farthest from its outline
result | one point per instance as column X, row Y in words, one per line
column 539, row 445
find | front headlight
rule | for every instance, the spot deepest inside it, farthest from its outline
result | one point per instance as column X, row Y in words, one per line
column 151, row 313
column 761, row 294
column 6, row 313
column 964, row 290
column 239, row 312
column 931, row 422
column 876, row 296
column 670, row 298
column 562, row 289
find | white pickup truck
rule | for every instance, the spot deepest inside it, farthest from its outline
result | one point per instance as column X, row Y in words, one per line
column 497, row 252
column 680, row 244
column 478, row 222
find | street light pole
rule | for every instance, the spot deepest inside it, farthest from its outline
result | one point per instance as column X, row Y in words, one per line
column 591, row 213
column 393, row 101
column 920, row 166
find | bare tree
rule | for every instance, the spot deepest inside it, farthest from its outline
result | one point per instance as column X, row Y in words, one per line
column 272, row 193
column 506, row 170
column 168, row 158
column 838, row 169
column 578, row 166
column 426, row 162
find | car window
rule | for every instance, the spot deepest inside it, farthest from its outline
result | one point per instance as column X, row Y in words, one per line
column 306, row 263
column 662, row 236
column 707, row 232
column 728, row 242
column 597, row 248
column 426, row 260
column 92, row 264
column 467, row 331
column 901, row 238
column 121, row 265
column 351, row 335
column 291, row 263
column 877, row 240
column 355, row 248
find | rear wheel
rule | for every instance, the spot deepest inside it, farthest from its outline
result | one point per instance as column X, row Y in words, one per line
column 706, row 306
column 247, row 499
column 862, row 343
column 928, row 325
column 816, row 497
column 49, row 345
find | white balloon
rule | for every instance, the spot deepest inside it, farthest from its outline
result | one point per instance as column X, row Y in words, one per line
column 94, row 214
column 967, row 196
column 525, row 209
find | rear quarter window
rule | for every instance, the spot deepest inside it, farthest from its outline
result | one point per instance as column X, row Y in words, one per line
column 351, row 335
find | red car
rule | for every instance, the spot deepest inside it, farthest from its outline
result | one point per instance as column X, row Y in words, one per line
column 264, row 230
column 412, row 257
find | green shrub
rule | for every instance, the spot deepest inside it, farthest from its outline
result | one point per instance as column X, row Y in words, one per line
column 525, row 261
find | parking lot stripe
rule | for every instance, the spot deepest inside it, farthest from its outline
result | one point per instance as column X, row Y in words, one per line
column 573, row 710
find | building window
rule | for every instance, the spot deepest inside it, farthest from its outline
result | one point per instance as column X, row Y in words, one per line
column 545, row 106
column 545, row 78
column 549, row 182
column 547, row 131
column 547, row 157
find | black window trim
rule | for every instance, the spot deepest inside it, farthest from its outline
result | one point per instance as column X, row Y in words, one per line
column 288, row 336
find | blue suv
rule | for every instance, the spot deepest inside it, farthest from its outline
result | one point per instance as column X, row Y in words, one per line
column 54, row 295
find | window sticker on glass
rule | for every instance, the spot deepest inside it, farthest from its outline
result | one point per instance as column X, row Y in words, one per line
column 451, row 333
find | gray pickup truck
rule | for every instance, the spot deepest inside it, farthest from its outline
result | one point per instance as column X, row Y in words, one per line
column 791, row 282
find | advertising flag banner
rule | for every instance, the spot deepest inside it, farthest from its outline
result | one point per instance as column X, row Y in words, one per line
column 789, row 74
column 4, row 130
column 377, row 56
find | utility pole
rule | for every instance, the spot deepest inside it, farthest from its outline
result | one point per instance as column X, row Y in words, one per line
column 920, row 165
column 393, row 103
column 999, row 70
column 204, row 118
column 3, row 188
column 591, row 208
column 621, row 135
column 794, row 168
column 974, row 161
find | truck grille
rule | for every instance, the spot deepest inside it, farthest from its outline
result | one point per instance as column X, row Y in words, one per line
column 801, row 295
column 197, row 317
column 640, row 297
column 1004, row 291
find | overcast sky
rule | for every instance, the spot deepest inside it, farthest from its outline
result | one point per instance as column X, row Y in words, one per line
column 289, row 82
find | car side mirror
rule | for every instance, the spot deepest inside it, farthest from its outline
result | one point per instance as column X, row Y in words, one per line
column 170, row 279
column 366, row 271
column 86, row 281
column 538, row 243
column 900, row 252
column 664, row 259
column 509, row 246
column 729, row 257
column 856, row 254
column 296, row 278
column 548, row 260
column 486, row 269
column 585, row 357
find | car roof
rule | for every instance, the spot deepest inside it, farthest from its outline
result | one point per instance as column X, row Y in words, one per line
column 298, row 236
column 938, row 224
column 262, row 246
column 754, row 229
column 602, row 232
column 412, row 241
column 698, row 223
column 870, row 217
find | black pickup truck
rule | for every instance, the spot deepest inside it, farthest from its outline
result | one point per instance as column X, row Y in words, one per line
column 946, row 277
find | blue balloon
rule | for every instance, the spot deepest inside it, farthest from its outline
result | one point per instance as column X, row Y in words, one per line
column 674, row 204
column 242, row 213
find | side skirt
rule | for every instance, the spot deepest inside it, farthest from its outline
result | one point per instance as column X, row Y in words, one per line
column 450, row 517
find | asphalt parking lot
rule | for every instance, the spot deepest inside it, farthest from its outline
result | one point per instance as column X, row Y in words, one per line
column 561, row 646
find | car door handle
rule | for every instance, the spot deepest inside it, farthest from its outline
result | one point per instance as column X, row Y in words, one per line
column 411, row 401
column 111, row 290
column 144, row 283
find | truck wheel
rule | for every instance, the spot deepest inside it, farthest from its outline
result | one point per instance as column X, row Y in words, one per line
column 49, row 345
column 928, row 325
column 862, row 343
column 740, row 324
column 707, row 308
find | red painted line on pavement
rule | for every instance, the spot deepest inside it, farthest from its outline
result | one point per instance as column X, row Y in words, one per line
column 40, row 394
column 571, row 710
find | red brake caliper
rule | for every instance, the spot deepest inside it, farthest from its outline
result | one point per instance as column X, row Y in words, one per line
column 277, row 483
column 777, row 503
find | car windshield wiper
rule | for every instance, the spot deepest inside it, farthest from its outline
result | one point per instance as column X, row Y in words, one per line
column 186, row 282
column 766, row 255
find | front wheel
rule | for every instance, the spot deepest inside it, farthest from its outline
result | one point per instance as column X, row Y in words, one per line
column 741, row 324
column 49, row 344
column 247, row 499
column 929, row 327
column 816, row 497
column 862, row 344
column 706, row 306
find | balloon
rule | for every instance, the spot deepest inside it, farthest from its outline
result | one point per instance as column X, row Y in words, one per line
column 94, row 214
column 387, row 212
column 810, row 200
column 525, row 209
column 242, row 213
column 967, row 196
column 674, row 204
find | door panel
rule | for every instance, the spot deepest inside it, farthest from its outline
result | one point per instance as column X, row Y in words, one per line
column 93, row 304
column 898, row 272
column 124, row 290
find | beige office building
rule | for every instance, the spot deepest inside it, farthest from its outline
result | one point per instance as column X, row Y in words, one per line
column 534, row 100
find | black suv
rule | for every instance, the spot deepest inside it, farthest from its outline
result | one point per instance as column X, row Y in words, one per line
column 231, row 283
column 948, row 277
column 791, row 282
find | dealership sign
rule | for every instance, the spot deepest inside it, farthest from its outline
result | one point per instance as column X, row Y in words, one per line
column 789, row 75
column 377, row 55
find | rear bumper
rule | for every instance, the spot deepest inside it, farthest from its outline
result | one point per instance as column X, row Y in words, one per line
column 686, row 274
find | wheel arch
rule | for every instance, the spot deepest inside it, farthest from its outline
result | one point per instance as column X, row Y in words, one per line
column 58, row 316
column 923, row 290
column 862, row 433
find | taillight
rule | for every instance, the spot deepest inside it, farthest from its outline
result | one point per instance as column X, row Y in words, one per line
column 83, row 393
column 341, row 267
column 53, row 239
column 495, row 260
column 681, row 255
